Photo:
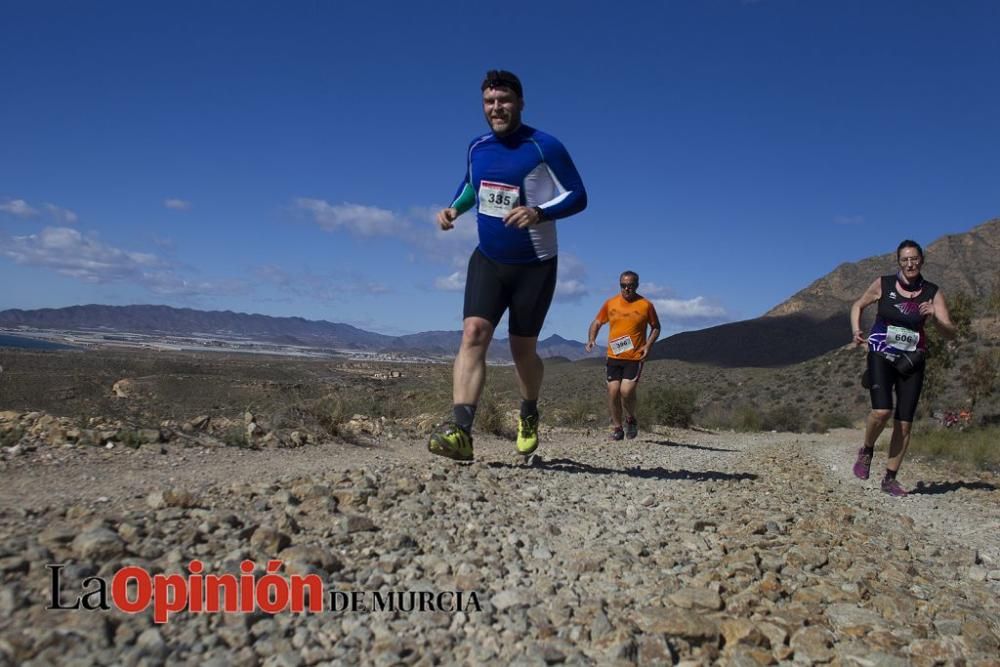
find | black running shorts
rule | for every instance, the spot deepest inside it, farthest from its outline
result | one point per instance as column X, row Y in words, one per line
column 525, row 289
column 624, row 369
column 883, row 377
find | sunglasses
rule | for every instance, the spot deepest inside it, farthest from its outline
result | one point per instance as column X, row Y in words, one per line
column 628, row 285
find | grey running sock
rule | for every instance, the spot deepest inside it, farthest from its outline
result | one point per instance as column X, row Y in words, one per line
column 529, row 408
column 465, row 414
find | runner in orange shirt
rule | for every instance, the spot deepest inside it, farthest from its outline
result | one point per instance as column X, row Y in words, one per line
column 628, row 346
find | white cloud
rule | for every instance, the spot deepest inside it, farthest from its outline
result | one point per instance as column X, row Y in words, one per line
column 22, row 209
column 453, row 283
column 654, row 291
column 69, row 252
column 18, row 207
column 164, row 242
column 571, row 266
column 319, row 287
column 61, row 215
column 168, row 283
column 418, row 228
column 694, row 309
column 274, row 274
column 570, row 283
column 86, row 258
column 452, row 246
column 371, row 288
column 570, row 290
column 354, row 218
column 177, row 204
column 849, row 220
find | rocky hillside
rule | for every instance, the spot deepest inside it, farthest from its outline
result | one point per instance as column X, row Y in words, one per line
column 814, row 320
column 963, row 262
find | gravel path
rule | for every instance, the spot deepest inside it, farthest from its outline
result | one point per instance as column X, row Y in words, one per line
column 678, row 547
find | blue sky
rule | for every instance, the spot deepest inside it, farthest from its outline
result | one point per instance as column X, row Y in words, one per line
column 287, row 158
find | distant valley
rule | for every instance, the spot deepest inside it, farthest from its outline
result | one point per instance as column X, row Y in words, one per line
column 256, row 332
column 811, row 323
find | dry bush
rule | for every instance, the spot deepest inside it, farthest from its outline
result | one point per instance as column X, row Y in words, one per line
column 784, row 418
column 733, row 417
column 749, row 419
column 829, row 420
column 490, row 416
column 580, row 411
column 978, row 447
column 12, row 436
column 236, row 436
column 668, row 406
column 334, row 410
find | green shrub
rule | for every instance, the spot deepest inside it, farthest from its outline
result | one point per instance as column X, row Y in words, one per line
column 748, row 419
column 835, row 420
column 784, row 418
column 579, row 412
column 668, row 406
column 237, row 437
column 129, row 438
column 978, row 447
column 740, row 417
column 334, row 410
column 330, row 412
column 11, row 437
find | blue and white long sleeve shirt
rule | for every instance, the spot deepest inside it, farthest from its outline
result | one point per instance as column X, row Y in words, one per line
column 524, row 168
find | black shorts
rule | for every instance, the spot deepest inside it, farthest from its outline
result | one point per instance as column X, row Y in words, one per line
column 526, row 289
column 883, row 377
column 624, row 369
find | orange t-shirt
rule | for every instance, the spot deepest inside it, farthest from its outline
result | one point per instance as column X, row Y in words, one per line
column 628, row 325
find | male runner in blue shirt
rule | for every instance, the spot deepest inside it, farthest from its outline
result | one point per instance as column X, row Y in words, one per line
column 520, row 181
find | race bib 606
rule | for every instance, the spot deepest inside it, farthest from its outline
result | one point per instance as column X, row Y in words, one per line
column 901, row 338
column 498, row 199
column 619, row 345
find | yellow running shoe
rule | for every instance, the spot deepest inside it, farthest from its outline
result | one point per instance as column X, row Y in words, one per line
column 451, row 441
column 527, row 434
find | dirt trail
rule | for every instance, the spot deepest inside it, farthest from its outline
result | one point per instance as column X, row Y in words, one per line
column 678, row 546
column 956, row 506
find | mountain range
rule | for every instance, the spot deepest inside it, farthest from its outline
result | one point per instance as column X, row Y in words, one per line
column 811, row 322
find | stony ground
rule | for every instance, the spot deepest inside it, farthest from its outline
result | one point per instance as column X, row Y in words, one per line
column 678, row 547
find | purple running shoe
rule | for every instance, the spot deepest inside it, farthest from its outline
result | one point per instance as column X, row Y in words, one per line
column 863, row 466
column 893, row 488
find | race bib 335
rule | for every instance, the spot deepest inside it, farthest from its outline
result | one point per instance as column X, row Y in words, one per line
column 498, row 199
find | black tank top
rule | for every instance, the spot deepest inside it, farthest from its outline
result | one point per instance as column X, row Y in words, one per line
column 898, row 312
